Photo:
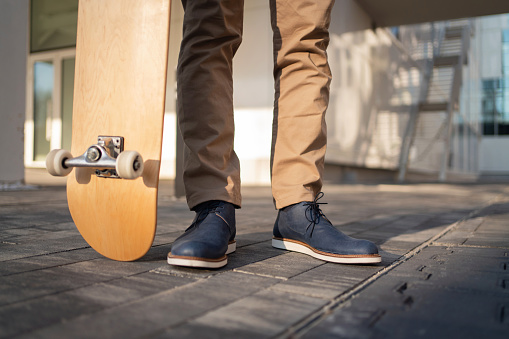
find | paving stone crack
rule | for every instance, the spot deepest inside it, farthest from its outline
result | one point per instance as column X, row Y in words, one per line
column 447, row 244
column 261, row 274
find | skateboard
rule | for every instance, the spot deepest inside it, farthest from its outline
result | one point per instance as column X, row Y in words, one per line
column 117, row 124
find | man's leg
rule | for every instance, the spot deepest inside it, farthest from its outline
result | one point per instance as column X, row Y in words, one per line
column 302, row 78
column 211, row 35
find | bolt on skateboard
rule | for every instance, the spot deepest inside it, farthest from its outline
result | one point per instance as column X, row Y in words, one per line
column 118, row 112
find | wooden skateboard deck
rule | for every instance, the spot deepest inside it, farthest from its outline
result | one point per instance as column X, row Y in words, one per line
column 119, row 90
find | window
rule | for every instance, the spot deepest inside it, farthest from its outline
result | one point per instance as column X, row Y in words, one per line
column 505, row 52
column 49, row 111
column 53, row 24
column 495, row 98
column 50, row 78
column 43, row 108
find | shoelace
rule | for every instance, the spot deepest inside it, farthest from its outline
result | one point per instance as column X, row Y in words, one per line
column 202, row 214
column 314, row 213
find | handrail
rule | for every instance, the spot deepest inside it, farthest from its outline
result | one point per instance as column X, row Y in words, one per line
column 402, row 48
column 437, row 37
column 454, row 98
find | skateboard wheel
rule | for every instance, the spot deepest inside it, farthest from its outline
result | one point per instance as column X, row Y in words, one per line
column 55, row 162
column 129, row 165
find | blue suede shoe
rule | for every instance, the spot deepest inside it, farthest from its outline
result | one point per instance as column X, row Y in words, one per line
column 209, row 238
column 304, row 228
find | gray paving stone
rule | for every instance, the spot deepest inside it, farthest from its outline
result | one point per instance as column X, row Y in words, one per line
column 327, row 281
column 52, row 284
column 442, row 292
column 498, row 239
column 30, row 216
column 57, row 308
column 151, row 315
column 48, row 194
column 32, row 284
column 253, row 236
column 396, row 247
column 109, row 268
column 432, row 314
column 284, row 266
column 20, row 318
column 20, row 287
column 47, row 261
column 35, row 247
column 380, row 220
column 264, row 314
column 404, row 246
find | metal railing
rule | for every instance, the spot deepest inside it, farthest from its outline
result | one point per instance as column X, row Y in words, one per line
column 427, row 51
column 442, row 50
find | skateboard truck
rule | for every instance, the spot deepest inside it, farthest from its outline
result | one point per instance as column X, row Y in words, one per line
column 107, row 157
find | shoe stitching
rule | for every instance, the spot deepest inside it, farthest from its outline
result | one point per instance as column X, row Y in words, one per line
column 223, row 219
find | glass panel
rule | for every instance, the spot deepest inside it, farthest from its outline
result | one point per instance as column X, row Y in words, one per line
column 505, row 35
column 53, row 24
column 488, row 106
column 43, row 107
column 505, row 58
column 505, row 52
column 67, row 99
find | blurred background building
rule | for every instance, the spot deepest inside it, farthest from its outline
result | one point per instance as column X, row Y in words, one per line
column 420, row 90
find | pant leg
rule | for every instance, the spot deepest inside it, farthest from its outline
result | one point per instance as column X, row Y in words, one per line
column 212, row 33
column 302, row 78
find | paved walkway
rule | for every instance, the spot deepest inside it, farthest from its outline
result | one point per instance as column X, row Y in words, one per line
column 444, row 274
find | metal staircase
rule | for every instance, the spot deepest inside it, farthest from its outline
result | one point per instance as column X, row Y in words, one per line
column 442, row 50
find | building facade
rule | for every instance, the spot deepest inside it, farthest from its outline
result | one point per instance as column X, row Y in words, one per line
column 378, row 114
column 493, row 33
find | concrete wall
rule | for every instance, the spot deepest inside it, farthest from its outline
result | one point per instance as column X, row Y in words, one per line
column 374, row 85
column 491, row 37
column 13, row 53
column 493, row 155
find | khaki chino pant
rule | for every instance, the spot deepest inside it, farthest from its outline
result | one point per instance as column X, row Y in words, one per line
column 211, row 36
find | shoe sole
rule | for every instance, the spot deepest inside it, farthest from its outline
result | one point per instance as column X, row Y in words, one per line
column 202, row 262
column 297, row 246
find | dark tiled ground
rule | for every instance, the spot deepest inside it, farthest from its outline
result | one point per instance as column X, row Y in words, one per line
column 445, row 271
